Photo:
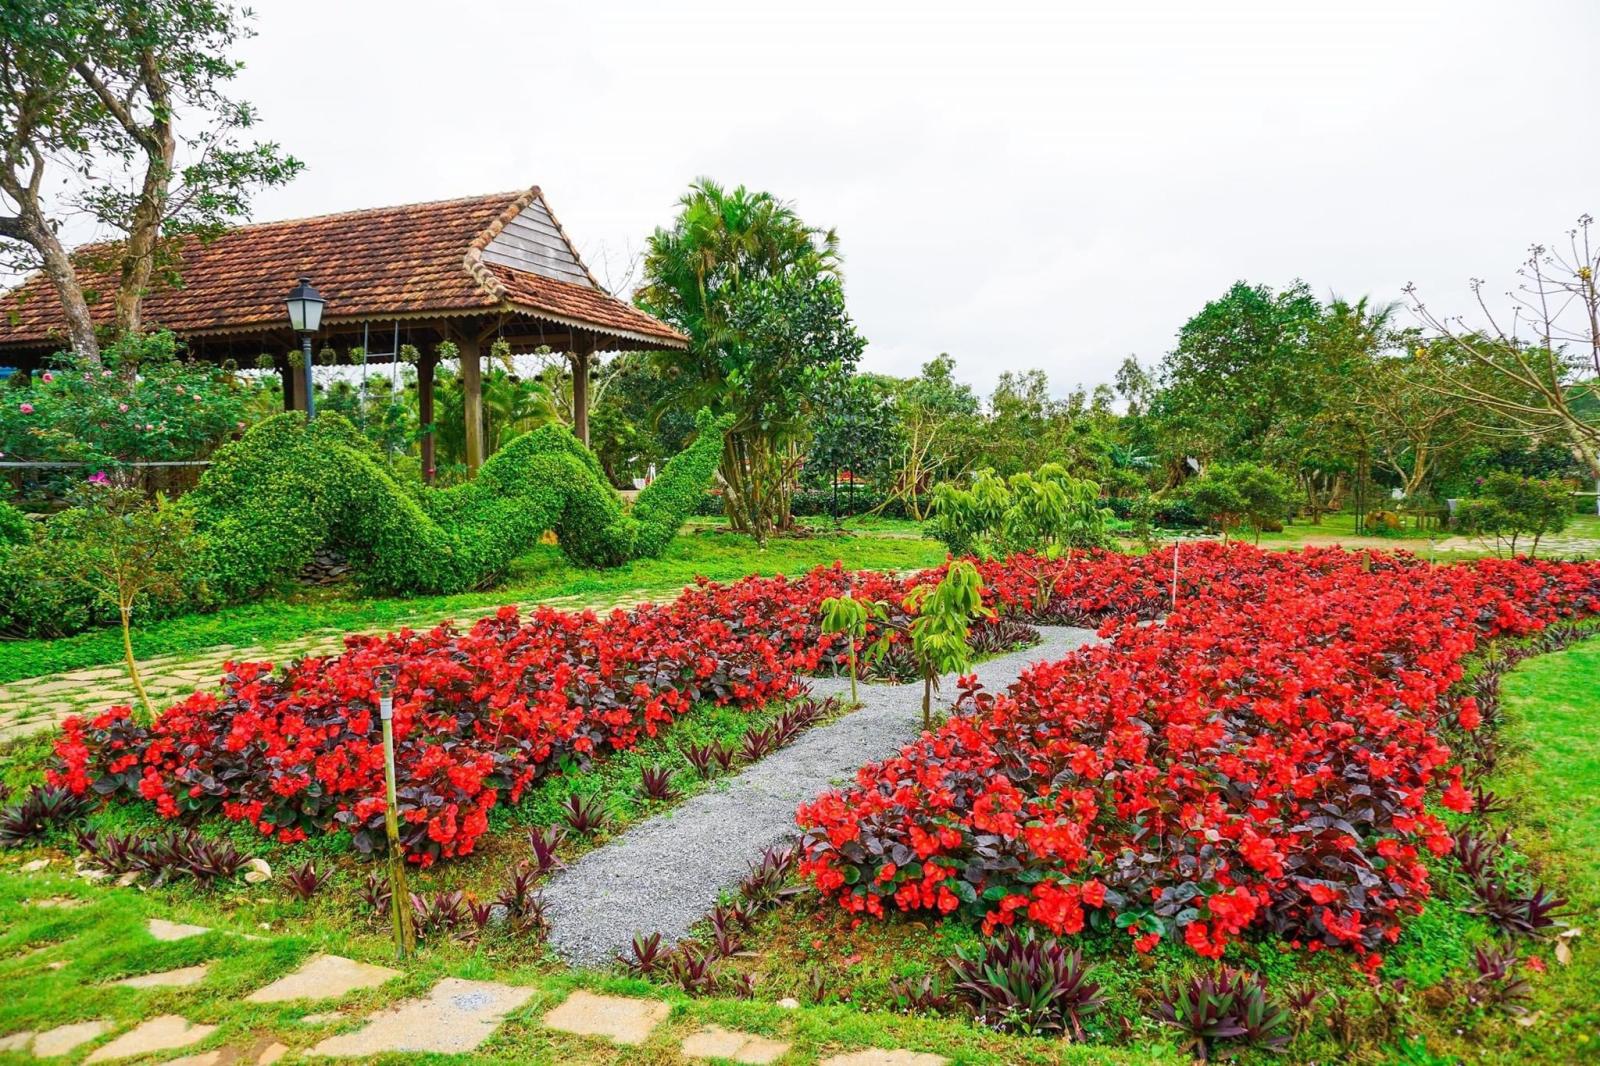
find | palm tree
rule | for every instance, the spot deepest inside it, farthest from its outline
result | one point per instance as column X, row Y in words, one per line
column 722, row 242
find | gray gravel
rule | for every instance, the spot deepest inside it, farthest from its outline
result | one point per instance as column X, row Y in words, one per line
column 665, row 874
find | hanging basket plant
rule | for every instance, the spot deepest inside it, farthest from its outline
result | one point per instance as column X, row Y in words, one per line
column 409, row 354
column 447, row 350
column 297, row 360
column 265, row 361
column 500, row 352
column 358, row 356
column 327, row 356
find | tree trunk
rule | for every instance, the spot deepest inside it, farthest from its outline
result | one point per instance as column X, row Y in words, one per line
column 30, row 227
column 133, row 667
column 144, row 230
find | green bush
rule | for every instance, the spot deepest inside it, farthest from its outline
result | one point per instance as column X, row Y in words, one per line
column 1510, row 507
column 142, row 402
column 1048, row 510
column 1246, row 494
column 13, row 524
column 42, row 587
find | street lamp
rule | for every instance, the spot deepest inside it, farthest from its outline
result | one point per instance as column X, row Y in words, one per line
column 405, row 937
column 305, row 318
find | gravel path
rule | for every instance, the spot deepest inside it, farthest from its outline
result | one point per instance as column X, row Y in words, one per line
column 664, row 874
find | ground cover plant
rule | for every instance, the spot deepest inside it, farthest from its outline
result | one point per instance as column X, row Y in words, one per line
column 1265, row 759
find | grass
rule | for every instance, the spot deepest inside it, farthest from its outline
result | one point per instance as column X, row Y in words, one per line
column 1342, row 527
column 1553, row 713
column 542, row 575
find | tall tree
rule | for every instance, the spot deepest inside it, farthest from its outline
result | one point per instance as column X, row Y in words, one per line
column 130, row 95
column 759, row 295
column 1240, row 368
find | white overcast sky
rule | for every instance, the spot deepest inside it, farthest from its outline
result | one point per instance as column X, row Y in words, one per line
column 1048, row 185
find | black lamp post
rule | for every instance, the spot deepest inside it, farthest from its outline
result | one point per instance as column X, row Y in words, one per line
column 305, row 318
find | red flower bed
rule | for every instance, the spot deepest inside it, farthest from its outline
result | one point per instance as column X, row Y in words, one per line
column 479, row 715
column 1261, row 760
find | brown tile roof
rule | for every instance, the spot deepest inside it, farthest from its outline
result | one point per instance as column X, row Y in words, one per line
column 389, row 262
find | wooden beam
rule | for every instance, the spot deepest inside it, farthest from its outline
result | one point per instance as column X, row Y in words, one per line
column 425, row 365
column 472, row 400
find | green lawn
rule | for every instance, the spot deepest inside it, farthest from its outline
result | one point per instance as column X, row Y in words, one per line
column 540, row 576
column 1553, row 724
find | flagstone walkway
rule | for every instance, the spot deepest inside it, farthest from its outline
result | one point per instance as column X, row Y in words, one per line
column 455, row 1016
column 665, row 874
column 35, row 703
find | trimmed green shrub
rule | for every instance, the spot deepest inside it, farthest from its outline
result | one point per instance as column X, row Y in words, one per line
column 285, row 489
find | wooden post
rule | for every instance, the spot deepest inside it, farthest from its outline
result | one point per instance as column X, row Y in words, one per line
column 582, row 348
column 425, row 367
column 297, row 386
column 472, row 400
column 286, row 374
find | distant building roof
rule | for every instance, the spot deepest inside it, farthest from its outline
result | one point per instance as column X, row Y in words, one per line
column 504, row 252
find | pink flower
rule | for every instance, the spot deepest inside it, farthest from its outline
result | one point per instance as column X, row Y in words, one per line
column 25, row 408
column 99, row 478
column 149, row 427
column 122, row 407
column 239, row 425
column 47, row 376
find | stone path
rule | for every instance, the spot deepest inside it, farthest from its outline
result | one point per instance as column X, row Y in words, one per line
column 35, row 703
column 455, row 1016
column 665, row 874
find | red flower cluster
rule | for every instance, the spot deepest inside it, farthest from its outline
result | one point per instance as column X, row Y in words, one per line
column 1261, row 758
column 479, row 715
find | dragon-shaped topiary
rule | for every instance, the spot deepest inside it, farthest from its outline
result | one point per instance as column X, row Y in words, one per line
column 286, row 488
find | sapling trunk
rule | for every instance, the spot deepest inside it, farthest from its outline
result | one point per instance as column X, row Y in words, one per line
column 927, row 701
column 126, row 610
column 854, row 699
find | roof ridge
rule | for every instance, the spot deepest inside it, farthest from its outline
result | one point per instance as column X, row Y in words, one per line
column 359, row 211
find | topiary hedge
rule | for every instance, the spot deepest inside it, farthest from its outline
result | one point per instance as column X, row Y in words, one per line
column 286, row 489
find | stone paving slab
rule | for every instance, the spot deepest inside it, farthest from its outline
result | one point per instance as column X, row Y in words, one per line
column 617, row 1018
column 715, row 1042
column 454, row 1018
column 164, row 1033
column 179, row 978
column 324, row 977
column 162, row 929
column 665, row 874
column 65, row 1038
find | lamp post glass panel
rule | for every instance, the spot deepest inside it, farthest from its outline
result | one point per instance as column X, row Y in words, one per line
column 405, row 937
column 305, row 318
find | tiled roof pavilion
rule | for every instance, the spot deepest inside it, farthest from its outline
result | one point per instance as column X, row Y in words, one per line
column 469, row 270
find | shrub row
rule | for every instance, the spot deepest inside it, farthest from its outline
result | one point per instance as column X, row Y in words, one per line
column 1261, row 760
